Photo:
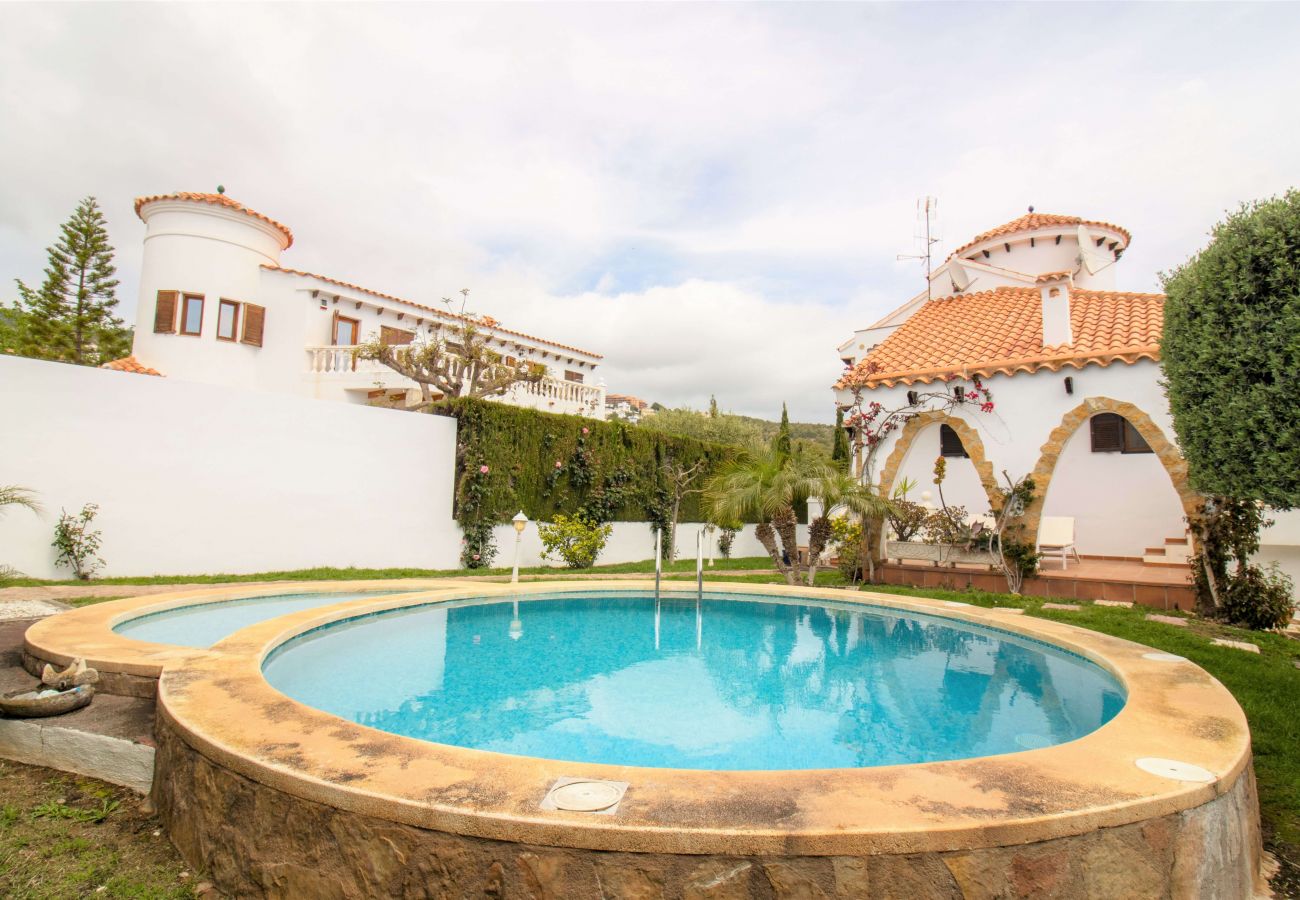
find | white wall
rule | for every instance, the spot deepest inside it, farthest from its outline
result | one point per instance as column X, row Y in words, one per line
column 629, row 542
column 194, row 478
column 961, row 483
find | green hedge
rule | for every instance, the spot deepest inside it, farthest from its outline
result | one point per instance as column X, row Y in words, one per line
column 609, row 470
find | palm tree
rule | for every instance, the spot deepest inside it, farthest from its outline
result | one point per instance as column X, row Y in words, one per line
column 764, row 484
column 838, row 490
column 12, row 495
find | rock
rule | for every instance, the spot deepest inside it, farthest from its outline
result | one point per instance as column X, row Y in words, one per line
column 1127, row 604
column 1068, row 607
column 1236, row 645
column 1168, row 620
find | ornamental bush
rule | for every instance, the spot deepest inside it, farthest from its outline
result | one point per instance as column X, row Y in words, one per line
column 575, row 539
column 1230, row 348
column 78, row 543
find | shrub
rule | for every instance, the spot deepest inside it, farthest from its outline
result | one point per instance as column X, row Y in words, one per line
column 575, row 539
column 479, row 547
column 847, row 539
column 1258, row 598
column 77, row 543
column 906, row 518
column 946, row 526
column 727, row 532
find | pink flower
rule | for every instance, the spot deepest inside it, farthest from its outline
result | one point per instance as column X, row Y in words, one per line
column 476, row 556
column 558, row 464
column 482, row 470
column 986, row 407
column 586, row 431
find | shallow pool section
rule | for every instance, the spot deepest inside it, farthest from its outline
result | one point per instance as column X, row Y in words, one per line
column 204, row 624
column 726, row 682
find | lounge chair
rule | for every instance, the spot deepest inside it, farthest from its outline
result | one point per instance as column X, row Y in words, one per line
column 1056, row 539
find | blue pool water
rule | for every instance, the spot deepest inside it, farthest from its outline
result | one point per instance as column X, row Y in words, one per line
column 741, row 683
column 203, row 626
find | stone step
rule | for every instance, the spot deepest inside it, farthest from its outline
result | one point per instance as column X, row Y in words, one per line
column 111, row 739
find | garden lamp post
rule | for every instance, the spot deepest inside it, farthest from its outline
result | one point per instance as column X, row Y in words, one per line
column 520, row 521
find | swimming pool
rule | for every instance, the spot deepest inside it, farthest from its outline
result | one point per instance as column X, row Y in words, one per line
column 721, row 682
column 203, row 625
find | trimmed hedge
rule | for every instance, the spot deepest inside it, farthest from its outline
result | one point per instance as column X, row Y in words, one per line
column 546, row 464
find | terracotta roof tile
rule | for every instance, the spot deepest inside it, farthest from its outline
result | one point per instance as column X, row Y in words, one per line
column 130, row 364
column 216, row 200
column 486, row 320
column 1032, row 222
column 1001, row 332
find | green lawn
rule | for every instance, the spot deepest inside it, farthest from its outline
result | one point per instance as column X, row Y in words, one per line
column 332, row 574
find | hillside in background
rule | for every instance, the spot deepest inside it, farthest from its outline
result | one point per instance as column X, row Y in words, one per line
column 729, row 428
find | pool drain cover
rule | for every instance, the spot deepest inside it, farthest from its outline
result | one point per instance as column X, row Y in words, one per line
column 1172, row 768
column 585, row 795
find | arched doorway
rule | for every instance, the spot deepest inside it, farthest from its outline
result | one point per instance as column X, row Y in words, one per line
column 969, row 481
column 1112, row 469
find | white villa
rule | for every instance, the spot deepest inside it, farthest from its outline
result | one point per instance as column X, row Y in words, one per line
column 216, row 306
column 1031, row 308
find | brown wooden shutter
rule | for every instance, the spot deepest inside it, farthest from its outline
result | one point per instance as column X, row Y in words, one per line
column 164, row 313
column 254, row 324
column 395, row 337
column 1107, row 433
column 334, row 328
column 950, row 442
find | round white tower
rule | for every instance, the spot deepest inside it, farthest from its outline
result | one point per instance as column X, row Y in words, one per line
column 201, row 250
column 1043, row 244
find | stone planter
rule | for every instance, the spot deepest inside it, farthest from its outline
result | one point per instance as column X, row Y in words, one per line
column 939, row 554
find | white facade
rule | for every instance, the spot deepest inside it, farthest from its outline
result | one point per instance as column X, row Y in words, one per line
column 203, row 245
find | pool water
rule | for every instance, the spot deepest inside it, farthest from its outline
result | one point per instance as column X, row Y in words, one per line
column 205, row 624
column 726, row 682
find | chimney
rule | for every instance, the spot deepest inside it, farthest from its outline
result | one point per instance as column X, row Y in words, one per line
column 1056, row 312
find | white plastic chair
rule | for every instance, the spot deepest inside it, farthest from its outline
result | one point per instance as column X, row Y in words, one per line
column 1056, row 539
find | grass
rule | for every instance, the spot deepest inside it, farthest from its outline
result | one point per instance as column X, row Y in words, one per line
column 67, row 836
column 351, row 574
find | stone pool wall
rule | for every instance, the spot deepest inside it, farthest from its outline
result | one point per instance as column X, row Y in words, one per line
column 257, row 841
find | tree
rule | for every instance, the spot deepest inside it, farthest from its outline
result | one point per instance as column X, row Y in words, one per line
column 838, row 491
column 70, row 317
column 455, row 360
column 840, row 449
column 713, row 407
column 783, row 434
column 679, row 478
column 1230, row 348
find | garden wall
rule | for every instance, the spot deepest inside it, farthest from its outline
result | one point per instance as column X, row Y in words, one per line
column 194, row 478
column 630, row 542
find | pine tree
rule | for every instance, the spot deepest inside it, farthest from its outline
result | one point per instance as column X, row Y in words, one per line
column 713, row 407
column 782, row 444
column 840, row 449
column 70, row 318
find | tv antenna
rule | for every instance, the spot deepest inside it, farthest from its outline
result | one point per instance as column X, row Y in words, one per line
column 925, row 235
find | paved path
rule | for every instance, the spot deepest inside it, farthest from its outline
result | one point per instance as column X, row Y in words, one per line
column 58, row 592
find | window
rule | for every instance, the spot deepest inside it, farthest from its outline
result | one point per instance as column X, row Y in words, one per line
column 950, row 443
column 395, row 337
column 192, row 314
column 254, row 322
column 228, row 320
column 346, row 331
column 1112, row 433
column 164, row 313
column 575, row 377
column 912, row 398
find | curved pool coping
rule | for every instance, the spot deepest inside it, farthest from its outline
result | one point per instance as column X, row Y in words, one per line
column 220, row 704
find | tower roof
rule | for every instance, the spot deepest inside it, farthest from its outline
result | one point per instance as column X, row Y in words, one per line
column 216, row 200
column 1033, row 221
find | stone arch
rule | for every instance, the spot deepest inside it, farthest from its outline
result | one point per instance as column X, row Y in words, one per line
column 1167, row 452
column 970, row 439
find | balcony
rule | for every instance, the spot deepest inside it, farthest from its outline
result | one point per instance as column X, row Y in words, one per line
column 337, row 367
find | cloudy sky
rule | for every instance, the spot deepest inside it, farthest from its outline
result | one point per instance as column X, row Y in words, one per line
column 711, row 195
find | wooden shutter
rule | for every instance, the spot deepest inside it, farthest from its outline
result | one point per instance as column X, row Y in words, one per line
column 395, row 337
column 164, row 313
column 950, row 442
column 254, row 324
column 334, row 328
column 1107, row 433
